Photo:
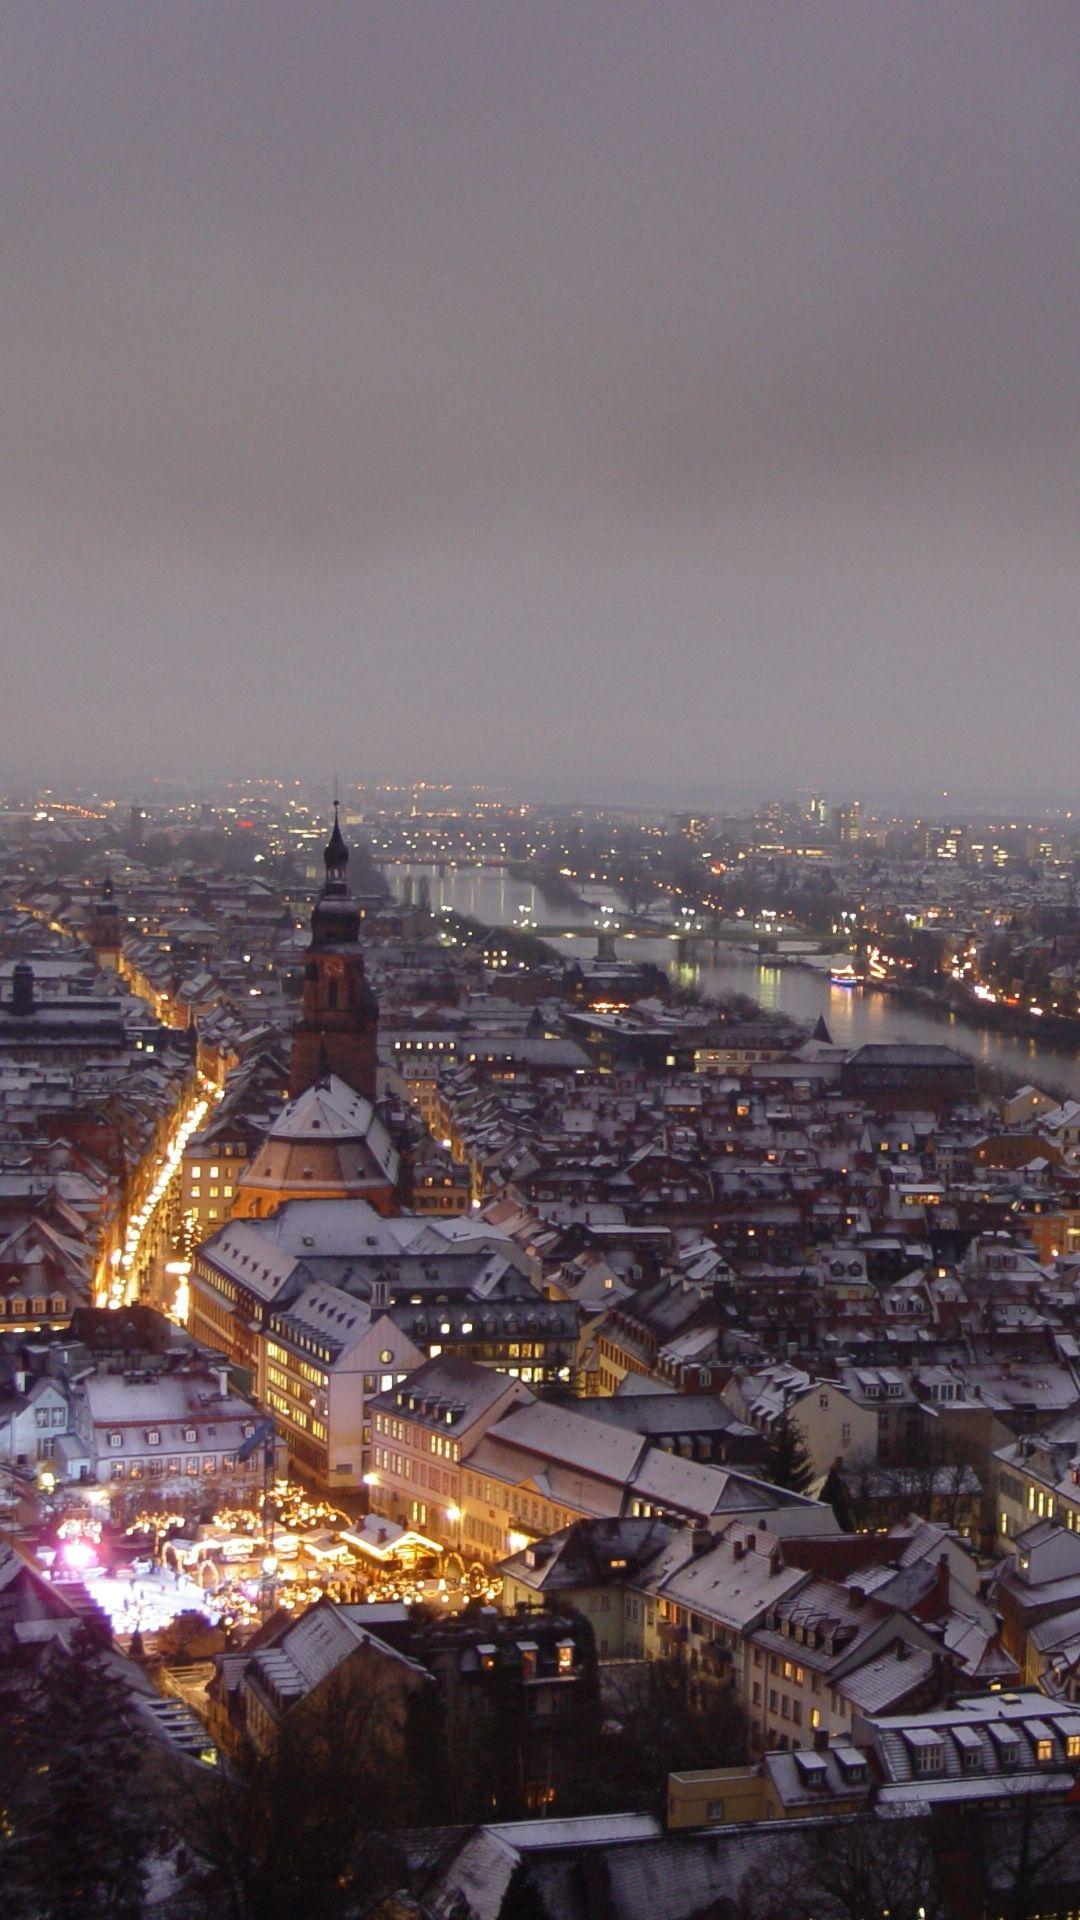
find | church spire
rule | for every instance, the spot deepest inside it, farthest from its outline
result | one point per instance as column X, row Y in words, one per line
column 336, row 859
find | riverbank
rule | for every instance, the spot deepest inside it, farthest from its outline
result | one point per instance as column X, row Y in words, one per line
column 492, row 898
column 987, row 1016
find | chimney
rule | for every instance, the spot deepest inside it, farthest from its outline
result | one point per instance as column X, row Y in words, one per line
column 821, row 1739
column 20, row 1380
column 223, row 1381
column 22, row 988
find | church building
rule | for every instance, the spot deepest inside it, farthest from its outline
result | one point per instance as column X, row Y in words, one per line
column 339, row 1023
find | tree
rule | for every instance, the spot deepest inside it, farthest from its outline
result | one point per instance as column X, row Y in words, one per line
column 835, row 1494
column 857, row 1868
column 76, row 1816
column 288, row 1831
column 787, row 1462
column 936, row 1478
column 1020, row 1857
column 667, row 1720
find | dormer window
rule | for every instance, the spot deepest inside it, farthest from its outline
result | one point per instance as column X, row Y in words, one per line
column 116, row 1439
column 153, row 1437
column 970, row 1748
column 190, row 1436
column 927, row 1750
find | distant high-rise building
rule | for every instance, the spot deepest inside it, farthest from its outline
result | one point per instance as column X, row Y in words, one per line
column 847, row 823
column 105, row 932
column 339, row 1025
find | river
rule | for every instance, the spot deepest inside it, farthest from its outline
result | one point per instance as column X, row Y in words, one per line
column 853, row 1015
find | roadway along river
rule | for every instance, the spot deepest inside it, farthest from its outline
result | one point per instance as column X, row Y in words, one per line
column 492, row 896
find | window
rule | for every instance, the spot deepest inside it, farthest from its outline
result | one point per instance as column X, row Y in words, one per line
column 116, row 1439
column 190, row 1436
column 153, row 1437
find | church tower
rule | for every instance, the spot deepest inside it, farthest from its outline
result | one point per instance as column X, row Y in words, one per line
column 339, row 1024
column 105, row 933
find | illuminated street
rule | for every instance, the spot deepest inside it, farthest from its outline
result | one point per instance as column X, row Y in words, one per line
column 144, row 1238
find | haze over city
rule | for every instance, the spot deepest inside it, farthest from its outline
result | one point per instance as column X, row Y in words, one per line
column 623, row 402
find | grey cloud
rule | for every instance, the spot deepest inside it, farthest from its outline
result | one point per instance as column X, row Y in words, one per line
column 585, row 394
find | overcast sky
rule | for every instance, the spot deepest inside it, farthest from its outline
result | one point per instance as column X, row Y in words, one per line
column 612, row 397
